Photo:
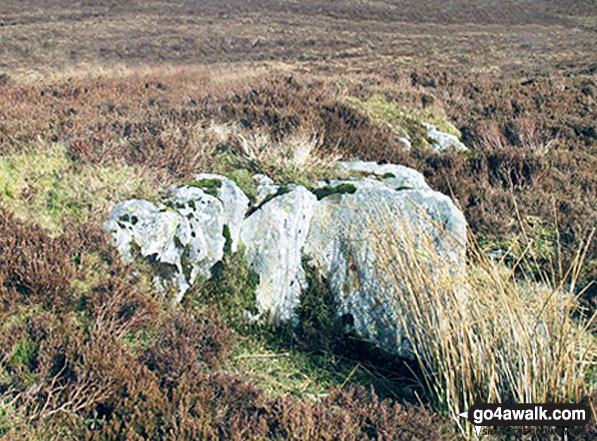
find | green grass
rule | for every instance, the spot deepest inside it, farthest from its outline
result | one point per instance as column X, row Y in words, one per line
column 23, row 353
column 278, row 363
column 231, row 288
column 52, row 190
column 406, row 122
column 306, row 360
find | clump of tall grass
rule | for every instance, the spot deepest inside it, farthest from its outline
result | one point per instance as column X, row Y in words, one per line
column 488, row 331
column 295, row 157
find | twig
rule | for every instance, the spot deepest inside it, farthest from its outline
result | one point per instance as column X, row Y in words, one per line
column 250, row 356
column 347, row 379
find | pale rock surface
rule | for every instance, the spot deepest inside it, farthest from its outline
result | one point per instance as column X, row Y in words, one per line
column 185, row 235
column 341, row 237
column 261, row 179
column 406, row 141
column 274, row 236
column 396, row 176
column 442, row 140
column 338, row 233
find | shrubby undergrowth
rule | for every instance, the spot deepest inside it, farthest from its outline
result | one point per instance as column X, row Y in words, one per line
column 111, row 362
column 89, row 350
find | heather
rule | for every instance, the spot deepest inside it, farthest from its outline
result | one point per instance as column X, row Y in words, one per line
column 91, row 350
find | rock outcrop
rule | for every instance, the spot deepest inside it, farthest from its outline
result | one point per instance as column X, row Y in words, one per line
column 185, row 235
column 332, row 226
column 344, row 227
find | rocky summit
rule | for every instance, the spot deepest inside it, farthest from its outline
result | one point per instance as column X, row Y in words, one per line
column 332, row 226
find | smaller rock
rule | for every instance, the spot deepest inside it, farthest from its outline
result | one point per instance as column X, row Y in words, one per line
column 406, row 141
column 265, row 188
column 393, row 176
column 264, row 192
column 442, row 140
column 261, row 179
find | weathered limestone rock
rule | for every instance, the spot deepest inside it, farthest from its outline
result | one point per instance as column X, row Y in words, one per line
column 265, row 192
column 341, row 236
column 339, row 227
column 394, row 176
column 186, row 234
column 261, row 179
column 405, row 140
column 234, row 205
column 442, row 140
column 140, row 223
column 274, row 236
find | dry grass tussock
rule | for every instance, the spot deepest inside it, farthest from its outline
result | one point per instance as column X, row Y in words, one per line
column 491, row 331
column 297, row 155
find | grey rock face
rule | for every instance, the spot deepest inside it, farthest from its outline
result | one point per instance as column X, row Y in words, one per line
column 261, row 179
column 234, row 205
column 274, row 236
column 185, row 235
column 442, row 140
column 396, row 176
column 265, row 191
column 340, row 245
column 338, row 228
column 134, row 220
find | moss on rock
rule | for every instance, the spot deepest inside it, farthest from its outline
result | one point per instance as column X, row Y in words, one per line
column 209, row 186
column 328, row 190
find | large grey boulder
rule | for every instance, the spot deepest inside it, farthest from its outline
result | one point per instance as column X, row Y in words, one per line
column 185, row 235
column 274, row 236
column 349, row 228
